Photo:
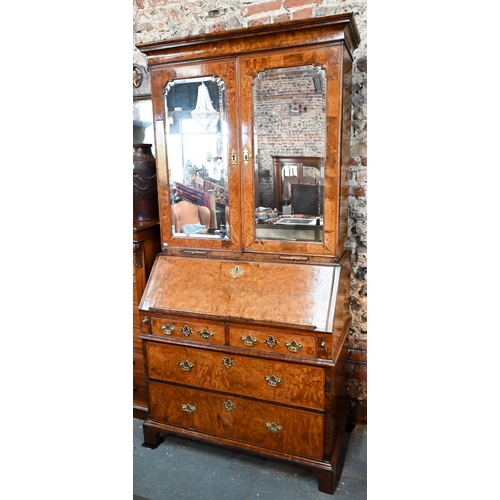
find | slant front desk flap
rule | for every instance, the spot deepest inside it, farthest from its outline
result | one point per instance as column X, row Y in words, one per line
column 285, row 294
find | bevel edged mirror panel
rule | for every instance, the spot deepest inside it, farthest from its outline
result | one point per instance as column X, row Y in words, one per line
column 289, row 113
column 197, row 153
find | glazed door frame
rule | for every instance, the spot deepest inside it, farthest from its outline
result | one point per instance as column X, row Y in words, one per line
column 330, row 59
column 225, row 69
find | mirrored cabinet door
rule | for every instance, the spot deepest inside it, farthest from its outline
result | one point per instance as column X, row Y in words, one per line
column 195, row 123
column 290, row 134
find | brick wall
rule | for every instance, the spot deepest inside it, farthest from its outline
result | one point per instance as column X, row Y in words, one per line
column 166, row 19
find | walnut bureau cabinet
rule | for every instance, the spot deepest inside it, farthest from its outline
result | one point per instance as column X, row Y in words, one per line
column 244, row 331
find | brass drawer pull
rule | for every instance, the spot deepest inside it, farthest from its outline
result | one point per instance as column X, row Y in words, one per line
column 186, row 366
column 206, row 334
column 294, row 346
column 229, row 405
column 249, row 340
column 273, row 380
column 186, row 331
column 188, row 408
column 271, row 342
column 227, row 363
column 168, row 329
column 274, row 427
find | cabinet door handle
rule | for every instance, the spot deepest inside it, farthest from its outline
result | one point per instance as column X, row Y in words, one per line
column 274, row 427
column 249, row 340
column 206, row 334
column 273, row 380
column 188, row 408
column 294, row 346
column 186, row 366
column 168, row 329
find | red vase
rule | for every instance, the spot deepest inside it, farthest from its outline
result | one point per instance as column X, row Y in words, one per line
column 145, row 188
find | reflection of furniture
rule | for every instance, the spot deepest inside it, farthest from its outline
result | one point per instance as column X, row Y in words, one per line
column 289, row 170
column 245, row 338
column 307, row 199
column 146, row 247
column 186, row 213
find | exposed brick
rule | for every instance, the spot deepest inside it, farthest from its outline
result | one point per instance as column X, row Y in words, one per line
column 358, row 191
column 363, row 161
column 303, row 14
column 263, row 7
column 356, row 355
column 290, row 4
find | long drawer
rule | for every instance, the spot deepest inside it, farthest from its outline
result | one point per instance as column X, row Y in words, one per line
column 266, row 379
column 289, row 430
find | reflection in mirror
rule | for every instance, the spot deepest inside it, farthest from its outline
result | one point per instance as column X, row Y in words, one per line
column 289, row 150
column 143, row 123
column 196, row 135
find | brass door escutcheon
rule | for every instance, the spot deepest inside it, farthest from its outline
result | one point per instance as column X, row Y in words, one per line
column 229, row 405
column 233, row 158
column 186, row 366
column 271, row 342
column 188, row 408
column 168, row 329
column 293, row 346
column 227, row 363
column 249, row 340
column 236, row 271
column 273, row 380
column 206, row 334
column 274, row 427
column 245, row 157
column 186, row 331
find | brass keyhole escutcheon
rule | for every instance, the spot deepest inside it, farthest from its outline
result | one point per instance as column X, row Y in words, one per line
column 236, row 271
column 245, row 157
column 271, row 342
column 227, row 363
column 186, row 331
column 229, row 405
column 233, row 158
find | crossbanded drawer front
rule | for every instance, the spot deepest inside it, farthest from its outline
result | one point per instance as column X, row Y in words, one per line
column 281, row 343
column 266, row 379
column 288, row 430
column 201, row 332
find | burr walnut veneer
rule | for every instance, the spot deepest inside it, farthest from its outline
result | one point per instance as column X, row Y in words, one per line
column 244, row 336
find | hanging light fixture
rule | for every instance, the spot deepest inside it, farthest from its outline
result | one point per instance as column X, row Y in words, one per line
column 204, row 113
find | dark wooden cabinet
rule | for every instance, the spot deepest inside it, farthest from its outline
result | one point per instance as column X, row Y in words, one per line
column 244, row 318
column 145, row 248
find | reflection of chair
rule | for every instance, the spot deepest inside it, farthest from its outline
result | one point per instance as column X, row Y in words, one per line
column 186, row 213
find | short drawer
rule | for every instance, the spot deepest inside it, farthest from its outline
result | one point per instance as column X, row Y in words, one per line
column 202, row 332
column 288, row 430
column 282, row 343
column 267, row 379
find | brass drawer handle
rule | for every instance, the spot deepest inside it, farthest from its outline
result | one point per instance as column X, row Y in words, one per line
column 294, row 346
column 274, row 427
column 206, row 334
column 186, row 331
column 168, row 329
column 186, row 366
column 273, row 380
column 249, row 340
column 229, row 405
column 271, row 342
column 227, row 363
column 188, row 408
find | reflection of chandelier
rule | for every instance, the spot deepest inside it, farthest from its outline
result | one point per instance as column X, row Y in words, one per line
column 204, row 113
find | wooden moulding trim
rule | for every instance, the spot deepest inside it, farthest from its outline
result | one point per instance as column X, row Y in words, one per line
column 339, row 28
